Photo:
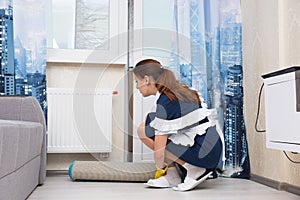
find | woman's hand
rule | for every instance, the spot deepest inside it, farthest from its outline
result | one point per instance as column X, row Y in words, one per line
column 160, row 172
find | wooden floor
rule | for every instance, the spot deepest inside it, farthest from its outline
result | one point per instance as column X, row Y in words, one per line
column 61, row 187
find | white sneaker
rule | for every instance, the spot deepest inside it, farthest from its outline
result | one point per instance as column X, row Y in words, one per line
column 190, row 183
column 160, row 182
column 171, row 179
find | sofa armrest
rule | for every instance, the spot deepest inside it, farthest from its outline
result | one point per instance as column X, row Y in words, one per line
column 25, row 108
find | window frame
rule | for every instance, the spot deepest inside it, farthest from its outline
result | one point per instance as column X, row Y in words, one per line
column 117, row 50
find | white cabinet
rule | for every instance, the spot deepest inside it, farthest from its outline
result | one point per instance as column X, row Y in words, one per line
column 282, row 106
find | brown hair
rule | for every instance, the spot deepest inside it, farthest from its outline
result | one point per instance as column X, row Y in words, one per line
column 166, row 81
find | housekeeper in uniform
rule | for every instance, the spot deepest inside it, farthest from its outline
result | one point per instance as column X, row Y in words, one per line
column 181, row 131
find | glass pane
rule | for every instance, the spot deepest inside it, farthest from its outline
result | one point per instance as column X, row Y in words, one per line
column 80, row 24
column 62, row 33
column 157, row 27
column 92, row 24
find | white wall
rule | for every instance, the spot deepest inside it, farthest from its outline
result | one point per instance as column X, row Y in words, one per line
column 271, row 41
column 69, row 75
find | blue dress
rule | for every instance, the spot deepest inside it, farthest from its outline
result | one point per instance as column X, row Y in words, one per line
column 192, row 133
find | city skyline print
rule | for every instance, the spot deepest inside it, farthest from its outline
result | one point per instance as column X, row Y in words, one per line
column 23, row 53
column 211, row 62
column 206, row 53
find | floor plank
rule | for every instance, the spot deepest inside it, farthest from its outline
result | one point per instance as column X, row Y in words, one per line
column 60, row 187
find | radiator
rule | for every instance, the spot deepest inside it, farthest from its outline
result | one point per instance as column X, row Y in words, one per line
column 79, row 121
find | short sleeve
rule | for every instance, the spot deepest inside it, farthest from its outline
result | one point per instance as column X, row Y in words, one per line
column 166, row 109
column 161, row 112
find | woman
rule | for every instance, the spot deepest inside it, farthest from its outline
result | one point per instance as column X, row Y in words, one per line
column 180, row 131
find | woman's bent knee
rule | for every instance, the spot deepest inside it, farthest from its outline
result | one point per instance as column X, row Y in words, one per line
column 141, row 131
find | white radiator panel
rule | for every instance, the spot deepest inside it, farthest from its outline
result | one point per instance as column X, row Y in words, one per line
column 79, row 120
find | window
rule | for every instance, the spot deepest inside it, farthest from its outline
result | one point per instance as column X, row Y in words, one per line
column 86, row 30
column 79, row 24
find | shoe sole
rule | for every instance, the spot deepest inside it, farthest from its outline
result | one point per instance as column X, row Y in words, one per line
column 155, row 186
column 199, row 180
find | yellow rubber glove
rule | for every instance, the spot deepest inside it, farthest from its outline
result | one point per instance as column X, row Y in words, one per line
column 160, row 172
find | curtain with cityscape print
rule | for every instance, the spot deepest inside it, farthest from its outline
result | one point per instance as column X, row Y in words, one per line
column 214, row 68
column 23, row 49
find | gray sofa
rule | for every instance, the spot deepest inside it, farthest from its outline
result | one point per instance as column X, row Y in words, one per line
column 22, row 147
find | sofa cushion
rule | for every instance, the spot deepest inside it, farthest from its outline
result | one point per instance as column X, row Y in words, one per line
column 20, row 142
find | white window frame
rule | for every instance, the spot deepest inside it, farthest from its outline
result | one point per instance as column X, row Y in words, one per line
column 117, row 52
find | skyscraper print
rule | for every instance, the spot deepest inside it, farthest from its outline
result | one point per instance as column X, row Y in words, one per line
column 215, row 69
column 7, row 57
column 23, row 49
